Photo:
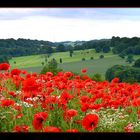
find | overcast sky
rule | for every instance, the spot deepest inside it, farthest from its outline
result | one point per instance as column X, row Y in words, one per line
column 69, row 24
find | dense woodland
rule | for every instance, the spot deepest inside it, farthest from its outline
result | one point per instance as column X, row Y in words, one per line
column 22, row 47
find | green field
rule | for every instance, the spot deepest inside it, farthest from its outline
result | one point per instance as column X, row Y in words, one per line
column 33, row 63
column 36, row 60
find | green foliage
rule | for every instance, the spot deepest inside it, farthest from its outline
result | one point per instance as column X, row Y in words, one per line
column 97, row 77
column 3, row 59
column 106, row 49
column 71, row 53
column 130, row 58
column 51, row 67
column 98, row 49
column 42, row 63
column 83, row 59
column 122, row 55
column 23, row 47
column 60, row 60
column 125, row 45
column 60, row 48
column 137, row 63
column 101, row 56
column 92, row 58
column 124, row 73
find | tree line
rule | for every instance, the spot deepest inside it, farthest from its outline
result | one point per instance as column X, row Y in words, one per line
column 23, row 47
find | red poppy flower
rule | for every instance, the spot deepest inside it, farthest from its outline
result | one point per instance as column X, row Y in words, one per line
column 34, row 74
column 85, row 77
column 71, row 113
column 129, row 127
column 65, row 96
column 30, row 84
column 62, row 104
column 15, row 72
column 77, row 121
column 12, row 93
column 7, row 102
column 84, row 99
column 4, row 66
column 51, row 129
column 68, row 114
column 68, row 74
column 136, row 102
column 28, row 75
column 18, row 108
column 18, row 116
column 84, row 70
column 115, row 80
column 72, row 130
column 21, row 128
column 84, row 107
column 23, row 72
column 60, row 73
column 90, row 122
column 49, row 74
column 48, row 84
column 138, row 112
column 38, row 120
column 95, row 106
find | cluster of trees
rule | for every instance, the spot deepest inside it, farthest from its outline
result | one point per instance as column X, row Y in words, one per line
column 124, row 73
column 102, row 45
column 22, row 47
column 124, row 46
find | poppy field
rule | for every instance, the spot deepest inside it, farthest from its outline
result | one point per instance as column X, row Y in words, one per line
column 65, row 102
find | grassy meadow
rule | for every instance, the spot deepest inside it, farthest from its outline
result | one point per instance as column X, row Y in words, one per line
column 34, row 62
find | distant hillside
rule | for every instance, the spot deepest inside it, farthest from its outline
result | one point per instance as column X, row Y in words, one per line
column 22, row 47
column 72, row 43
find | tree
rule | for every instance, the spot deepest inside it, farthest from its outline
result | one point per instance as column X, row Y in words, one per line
column 52, row 66
column 91, row 57
column 106, row 49
column 98, row 49
column 130, row 59
column 71, row 52
column 101, row 56
column 42, row 63
column 137, row 63
column 68, row 47
column 46, row 59
column 49, row 50
column 60, row 60
column 83, row 59
column 60, row 48
column 3, row 59
column 122, row 55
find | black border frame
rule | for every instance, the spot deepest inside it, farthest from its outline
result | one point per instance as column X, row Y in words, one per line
column 69, row 4
column 71, row 136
